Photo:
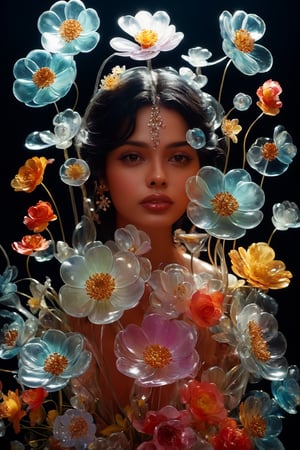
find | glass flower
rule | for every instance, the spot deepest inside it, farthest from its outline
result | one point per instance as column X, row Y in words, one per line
column 259, row 267
column 260, row 422
column 206, row 307
column 11, row 409
column 42, row 78
column 50, row 361
column 230, row 128
column 196, row 138
column 75, row 428
column 31, row 244
column 7, row 286
column 66, row 126
column 31, row 174
column 269, row 101
column 272, row 157
column 240, row 32
column 225, row 206
column 152, row 34
column 74, row 172
column 197, row 56
column 287, row 391
column 197, row 80
column 233, row 438
column 15, row 332
column 129, row 238
column 286, row 215
column 111, row 81
column 159, row 352
column 242, row 101
column 100, row 285
column 69, row 28
column 39, row 216
column 173, row 288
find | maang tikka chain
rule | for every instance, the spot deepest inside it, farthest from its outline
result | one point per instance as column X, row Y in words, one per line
column 155, row 123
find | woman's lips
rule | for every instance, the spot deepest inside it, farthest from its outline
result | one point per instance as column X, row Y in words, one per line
column 156, row 203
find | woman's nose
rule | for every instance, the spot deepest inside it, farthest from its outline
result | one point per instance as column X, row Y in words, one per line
column 157, row 175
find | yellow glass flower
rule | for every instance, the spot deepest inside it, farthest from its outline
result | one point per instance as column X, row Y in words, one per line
column 259, row 267
column 231, row 128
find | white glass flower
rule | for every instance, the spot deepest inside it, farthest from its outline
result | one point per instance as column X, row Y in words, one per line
column 286, row 215
column 66, row 126
column 152, row 34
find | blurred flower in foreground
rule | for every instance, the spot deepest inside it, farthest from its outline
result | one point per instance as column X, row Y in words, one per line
column 75, row 428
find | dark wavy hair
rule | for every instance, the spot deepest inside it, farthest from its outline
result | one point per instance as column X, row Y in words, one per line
column 110, row 119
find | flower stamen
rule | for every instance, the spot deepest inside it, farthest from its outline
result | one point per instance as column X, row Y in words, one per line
column 75, row 171
column 100, row 286
column 224, row 204
column 70, row 29
column 55, row 364
column 146, row 38
column 78, row 427
column 157, row 356
column 10, row 338
column 43, row 77
column 269, row 151
column 258, row 345
column 243, row 41
column 257, row 426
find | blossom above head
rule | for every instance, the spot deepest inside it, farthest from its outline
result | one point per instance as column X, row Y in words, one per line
column 66, row 126
column 225, row 206
column 259, row 267
column 69, row 28
column 31, row 174
column 272, row 157
column 100, row 285
column 197, row 56
column 51, row 360
column 159, row 352
column 74, row 172
column 269, row 101
column 286, row 215
column 43, row 78
column 152, row 34
column 112, row 80
column 240, row 32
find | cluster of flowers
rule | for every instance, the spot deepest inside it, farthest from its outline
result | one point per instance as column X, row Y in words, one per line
column 216, row 411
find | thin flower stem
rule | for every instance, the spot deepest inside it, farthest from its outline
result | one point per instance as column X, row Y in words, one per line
column 71, row 192
column 271, row 236
column 57, row 210
column 99, row 74
column 77, row 95
column 246, row 136
column 222, row 81
column 228, row 142
column 5, row 255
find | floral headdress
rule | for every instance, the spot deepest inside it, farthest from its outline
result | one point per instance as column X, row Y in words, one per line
column 215, row 407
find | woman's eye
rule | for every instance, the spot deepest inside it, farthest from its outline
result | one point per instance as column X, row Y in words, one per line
column 130, row 157
column 181, row 158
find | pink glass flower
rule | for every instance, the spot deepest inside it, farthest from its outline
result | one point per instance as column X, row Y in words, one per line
column 159, row 352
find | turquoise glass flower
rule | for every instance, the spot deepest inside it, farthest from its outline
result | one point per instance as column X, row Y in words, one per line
column 8, row 288
column 272, row 157
column 75, row 419
column 66, row 126
column 14, row 333
column 69, row 28
column 157, row 353
column 43, row 78
column 287, row 391
column 240, row 32
column 50, row 361
column 152, row 34
column 100, row 285
column 225, row 206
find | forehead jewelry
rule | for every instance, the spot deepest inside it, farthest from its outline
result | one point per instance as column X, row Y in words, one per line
column 155, row 123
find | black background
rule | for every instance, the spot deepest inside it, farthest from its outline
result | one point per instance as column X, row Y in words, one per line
column 199, row 22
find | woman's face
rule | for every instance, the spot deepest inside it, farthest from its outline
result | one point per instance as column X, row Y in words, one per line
column 147, row 184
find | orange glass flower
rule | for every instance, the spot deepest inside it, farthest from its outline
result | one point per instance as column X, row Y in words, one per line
column 11, row 409
column 34, row 397
column 258, row 266
column 31, row 174
column 269, row 101
column 206, row 309
column 30, row 244
column 39, row 216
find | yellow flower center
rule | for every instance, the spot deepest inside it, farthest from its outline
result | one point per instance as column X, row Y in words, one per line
column 43, row 77
column 146, row 38
column 10, row 338
column 100, row 286
column 180, row 290
column 243, row 41
column 78, row 427
column 70, row 29
column 270, row 151
column 224, row 204
column 157, row 356
column 257, row 426
column 74, row 171
column 258, row 345
column 55, row 364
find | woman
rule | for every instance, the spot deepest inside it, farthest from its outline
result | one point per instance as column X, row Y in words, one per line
column 134, row 139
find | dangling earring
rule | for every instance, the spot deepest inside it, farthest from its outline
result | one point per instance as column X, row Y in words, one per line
column 102, row 201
